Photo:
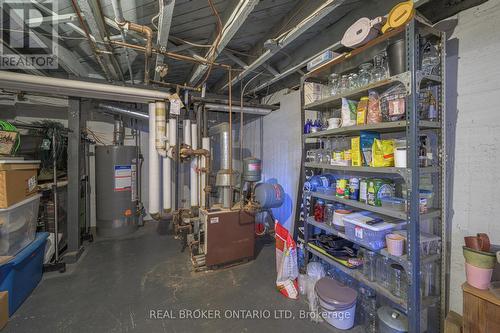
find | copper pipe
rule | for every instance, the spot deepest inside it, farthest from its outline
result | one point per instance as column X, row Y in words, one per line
column 172, row 55
column 148, row 50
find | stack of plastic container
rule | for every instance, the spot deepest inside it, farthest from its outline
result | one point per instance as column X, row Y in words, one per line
column 21, row 249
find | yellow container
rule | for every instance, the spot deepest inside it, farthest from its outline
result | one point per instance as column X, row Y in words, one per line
column 356, row 151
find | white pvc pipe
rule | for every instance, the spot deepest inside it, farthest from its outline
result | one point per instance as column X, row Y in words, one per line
column 187, row 132
column 194, row 166
column 167, row 184
column 205, row 144
column 154, row 166
column 172, row 135
column 75, row 88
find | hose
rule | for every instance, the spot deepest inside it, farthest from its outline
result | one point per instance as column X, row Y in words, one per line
column 6, row 126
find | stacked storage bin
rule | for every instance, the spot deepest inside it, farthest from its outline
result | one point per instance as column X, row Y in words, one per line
column 21, row 249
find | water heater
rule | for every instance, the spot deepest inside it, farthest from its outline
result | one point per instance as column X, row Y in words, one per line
column 116, row 209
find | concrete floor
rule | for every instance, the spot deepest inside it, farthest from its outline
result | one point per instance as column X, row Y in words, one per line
column 117, row 283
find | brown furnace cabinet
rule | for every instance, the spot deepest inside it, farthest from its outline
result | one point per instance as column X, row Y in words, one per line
column 229, row 236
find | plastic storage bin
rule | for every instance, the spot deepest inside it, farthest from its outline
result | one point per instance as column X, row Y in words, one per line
column 21, row 275
column 393, row 203
column 18, row 225
column 429, row 243
column 358, row 229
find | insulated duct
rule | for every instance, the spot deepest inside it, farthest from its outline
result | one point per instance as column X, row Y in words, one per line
column 154, row 166
column 11, row 81
column 161, row 129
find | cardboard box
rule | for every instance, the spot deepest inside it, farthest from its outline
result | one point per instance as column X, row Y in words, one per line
column 4, row 308
column 18, row 181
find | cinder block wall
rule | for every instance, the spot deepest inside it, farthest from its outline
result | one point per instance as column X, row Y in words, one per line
column 473, row 114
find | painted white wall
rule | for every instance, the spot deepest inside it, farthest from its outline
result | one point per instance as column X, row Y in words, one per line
column 473, row 125
column 282, row 152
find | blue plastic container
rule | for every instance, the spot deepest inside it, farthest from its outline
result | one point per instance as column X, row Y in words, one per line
column 21, row 275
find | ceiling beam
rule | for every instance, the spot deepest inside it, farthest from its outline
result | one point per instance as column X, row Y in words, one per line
column 73, row 26
column 324, row 42
column 95, row 21
column 235, row 59
column 164, row 21
column 235, row 19
column 318, row 14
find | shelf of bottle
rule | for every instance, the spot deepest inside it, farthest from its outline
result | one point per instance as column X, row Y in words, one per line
column 432, row 213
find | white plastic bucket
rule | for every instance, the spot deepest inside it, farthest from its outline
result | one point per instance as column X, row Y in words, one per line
column 342, row 319
column 338, row 303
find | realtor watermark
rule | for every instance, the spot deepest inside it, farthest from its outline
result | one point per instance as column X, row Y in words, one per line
column 29, row 34
column 241, row 314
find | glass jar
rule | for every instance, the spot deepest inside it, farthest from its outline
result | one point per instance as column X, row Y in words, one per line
column 334, row 84
column 399, row 281
column 344, row 83
column 379, row 71
column 369, row 309
column 369, row 265
column 353, row 81
column 383, row 265
column 319, row 211
column 364, row 74
column 329, row 209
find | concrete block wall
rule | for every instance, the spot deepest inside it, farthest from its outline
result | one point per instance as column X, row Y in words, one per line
column 473, row 131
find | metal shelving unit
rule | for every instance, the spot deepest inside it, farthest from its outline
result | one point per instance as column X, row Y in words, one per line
column 413, row 79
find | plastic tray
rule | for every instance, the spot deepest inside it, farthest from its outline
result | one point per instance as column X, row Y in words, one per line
column 370, row 236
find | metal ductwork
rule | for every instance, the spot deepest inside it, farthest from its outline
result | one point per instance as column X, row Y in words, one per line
column 238, row 109
column 120, row 110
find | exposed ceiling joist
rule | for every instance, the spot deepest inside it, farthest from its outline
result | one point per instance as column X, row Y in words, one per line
column 323, row 10
column 73, row 26
column 235, row 59
column 95, row 21
column 233, row 22
column 164, row 21
column 335, row 30
column 270, row 69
